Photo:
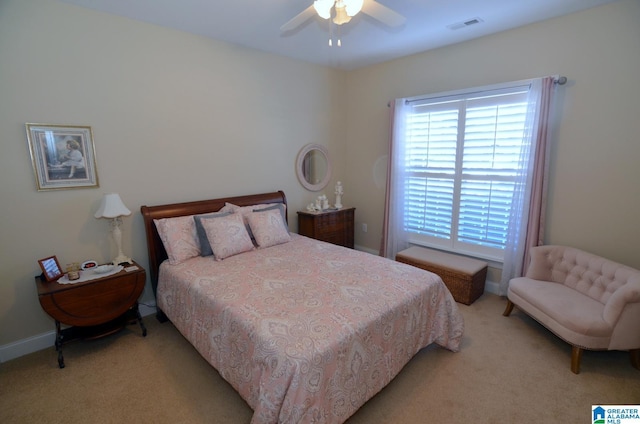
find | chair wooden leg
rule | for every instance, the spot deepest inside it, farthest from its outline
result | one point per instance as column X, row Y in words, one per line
column 508, row 309
column 576, row 355
column 634, row 356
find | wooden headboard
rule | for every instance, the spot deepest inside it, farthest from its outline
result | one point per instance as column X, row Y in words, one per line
column 157, row 253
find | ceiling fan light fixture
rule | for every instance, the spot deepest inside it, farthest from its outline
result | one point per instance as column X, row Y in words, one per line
column 341, row 15
column 323, row 8
column 353, row 6
column 344, row 9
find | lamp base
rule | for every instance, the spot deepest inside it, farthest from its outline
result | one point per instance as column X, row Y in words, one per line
column 121, row 259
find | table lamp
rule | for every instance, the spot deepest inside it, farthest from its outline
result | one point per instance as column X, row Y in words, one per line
column 113, row 208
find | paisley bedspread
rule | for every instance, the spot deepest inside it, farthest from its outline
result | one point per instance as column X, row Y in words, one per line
column 307, row 331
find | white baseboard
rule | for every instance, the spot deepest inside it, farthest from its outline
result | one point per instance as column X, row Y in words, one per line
column 366, row 249
column 46, row 340
column 492, row 287
column 25, row 346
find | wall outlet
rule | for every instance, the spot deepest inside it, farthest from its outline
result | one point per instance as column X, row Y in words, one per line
column 364, row 227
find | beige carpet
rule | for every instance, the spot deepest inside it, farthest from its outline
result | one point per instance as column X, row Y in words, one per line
column 509, row 370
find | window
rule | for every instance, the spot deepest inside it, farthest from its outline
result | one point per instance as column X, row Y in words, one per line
column 462, row 157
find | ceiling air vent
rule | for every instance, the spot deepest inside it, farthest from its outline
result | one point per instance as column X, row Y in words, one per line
column 464, row 24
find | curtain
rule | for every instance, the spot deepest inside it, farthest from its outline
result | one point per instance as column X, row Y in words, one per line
column 526, row 226
column 394, row 238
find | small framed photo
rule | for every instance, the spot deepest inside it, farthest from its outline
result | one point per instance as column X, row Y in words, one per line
column 50, row 268
column 63, row 156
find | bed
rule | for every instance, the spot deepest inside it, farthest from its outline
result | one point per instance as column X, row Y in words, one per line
column 304, row 330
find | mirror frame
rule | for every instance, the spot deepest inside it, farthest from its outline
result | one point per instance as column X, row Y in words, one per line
column 300, row 160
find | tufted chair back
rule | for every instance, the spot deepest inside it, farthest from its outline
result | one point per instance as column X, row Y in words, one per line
column 591, row 275
column 587, row 300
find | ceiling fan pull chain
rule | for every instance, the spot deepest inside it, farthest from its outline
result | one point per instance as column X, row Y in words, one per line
column 331, row 34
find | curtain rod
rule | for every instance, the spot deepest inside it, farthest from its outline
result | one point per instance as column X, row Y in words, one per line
column 559, row 80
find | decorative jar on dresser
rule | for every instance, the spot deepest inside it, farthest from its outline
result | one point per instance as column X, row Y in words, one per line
column 333, row 226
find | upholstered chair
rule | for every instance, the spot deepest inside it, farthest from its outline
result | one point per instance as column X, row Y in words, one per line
column 588, row 301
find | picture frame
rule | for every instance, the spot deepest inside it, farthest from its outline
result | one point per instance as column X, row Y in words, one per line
column 51, row 269
column 63, row 156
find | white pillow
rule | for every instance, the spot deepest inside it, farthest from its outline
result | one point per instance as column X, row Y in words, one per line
column 230, row 207
column 245, row 210
column 268, row 227
column 179, row 238
column 227, row 235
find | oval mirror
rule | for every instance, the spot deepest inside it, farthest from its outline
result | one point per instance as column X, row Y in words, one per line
column 313, row 167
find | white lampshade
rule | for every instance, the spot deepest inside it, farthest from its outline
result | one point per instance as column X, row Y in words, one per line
column 323, row 7
column 353, row 6
column 112, row 207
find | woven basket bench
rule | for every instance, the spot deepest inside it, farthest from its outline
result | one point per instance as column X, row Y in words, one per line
column 464, row 277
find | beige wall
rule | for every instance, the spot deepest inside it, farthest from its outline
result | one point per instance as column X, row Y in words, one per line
column 168, row 111
column 595, row 173
column 175, row 117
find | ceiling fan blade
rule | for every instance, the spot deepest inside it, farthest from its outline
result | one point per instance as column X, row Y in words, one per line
column 299, row 19
column 383, row 13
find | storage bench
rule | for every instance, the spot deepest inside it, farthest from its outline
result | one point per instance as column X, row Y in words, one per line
column 464, row 277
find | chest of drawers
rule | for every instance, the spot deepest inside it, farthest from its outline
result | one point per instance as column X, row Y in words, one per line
column 331, row 226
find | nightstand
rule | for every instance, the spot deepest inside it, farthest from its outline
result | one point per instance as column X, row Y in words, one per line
column 333, row 226
column 93, row 308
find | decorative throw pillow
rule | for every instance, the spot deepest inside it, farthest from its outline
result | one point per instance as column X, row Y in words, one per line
column 268, row 227
column 283, row 211
column 205, row 247
column 227, row 235
column 244, row 211
column 179, row 238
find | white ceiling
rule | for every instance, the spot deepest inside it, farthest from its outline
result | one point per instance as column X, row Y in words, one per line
column 365, row 41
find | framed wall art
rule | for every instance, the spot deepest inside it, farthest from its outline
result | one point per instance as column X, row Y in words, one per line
column 63, row 156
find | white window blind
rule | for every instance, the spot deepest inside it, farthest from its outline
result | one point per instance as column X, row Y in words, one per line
column 462, row 157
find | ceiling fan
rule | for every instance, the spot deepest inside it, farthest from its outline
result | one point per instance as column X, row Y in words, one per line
column 342, row 12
